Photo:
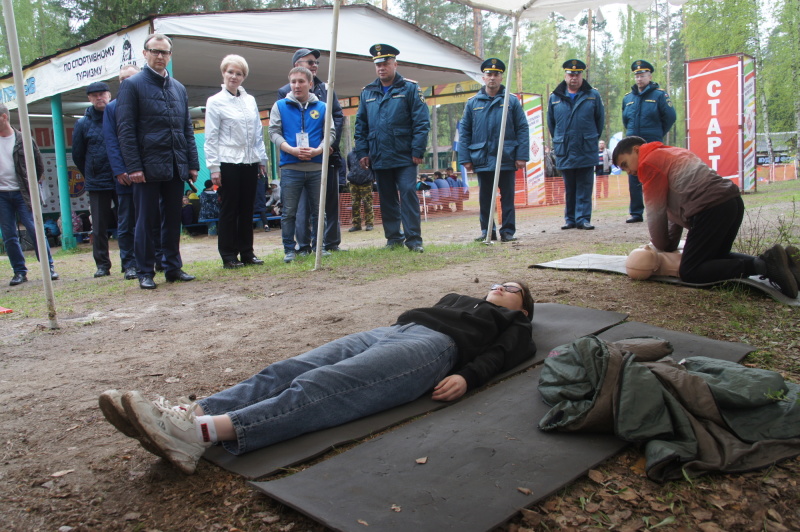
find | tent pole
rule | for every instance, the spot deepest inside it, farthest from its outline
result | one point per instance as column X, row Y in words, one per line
column 504, row 119
column 33, row 181
column 326, row 148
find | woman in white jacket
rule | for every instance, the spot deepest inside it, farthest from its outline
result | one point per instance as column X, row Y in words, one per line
column 235, row 156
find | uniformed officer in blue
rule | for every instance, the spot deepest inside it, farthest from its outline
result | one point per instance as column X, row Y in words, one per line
column 647, row 112
column 575, row 118
column 479, row 135
column 392, row 127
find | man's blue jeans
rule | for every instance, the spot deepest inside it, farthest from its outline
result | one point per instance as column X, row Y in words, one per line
column 343, row 380
column 332, row 234
column 405, row 208
column 12, row 204
column 578, row 183
column 293, row 184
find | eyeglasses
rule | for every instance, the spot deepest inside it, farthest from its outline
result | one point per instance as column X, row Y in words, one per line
column 510, row 288
column 162, row 53
column 310, row 63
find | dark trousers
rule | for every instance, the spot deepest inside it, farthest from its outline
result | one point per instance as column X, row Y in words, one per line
column 506, row 186
column 158, row 210
column 636, row 207
column 403, row 207
column 126, row 229
column 235, row 228
column 707, row 253
column 578, row 183
column 332, row 235
column 100, row 206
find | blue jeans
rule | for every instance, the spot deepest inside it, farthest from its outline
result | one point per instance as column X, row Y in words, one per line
column 349, row 378
column 12, row 204
column 332, row 234
column 293, row 184
column 578, row 184
column 506, row 186
column 405, row 208
column 636, row 207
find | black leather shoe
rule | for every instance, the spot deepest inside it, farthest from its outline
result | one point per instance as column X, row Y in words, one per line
column 159, row 267
column 102, row 272
column 587, row 227
column 179, row 276
column 568, row 226
column 634, row 220
column 147, row 283
column 504, row 238
column 354, row 229
column 130, row 274
column 232, row 264
column 417, row 249
column 483, row 237
column 18, row 278
column 255, row 261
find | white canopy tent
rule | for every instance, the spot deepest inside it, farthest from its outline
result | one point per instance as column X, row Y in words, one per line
column 266, row 38
column 534, row 10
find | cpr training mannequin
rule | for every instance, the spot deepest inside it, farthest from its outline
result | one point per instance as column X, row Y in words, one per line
column 645, row 261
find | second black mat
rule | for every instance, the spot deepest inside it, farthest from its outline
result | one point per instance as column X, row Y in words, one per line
column 616, row 264
column 553, row 325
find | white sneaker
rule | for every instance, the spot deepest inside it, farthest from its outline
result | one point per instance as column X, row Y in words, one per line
column 111, row 406
column 171, row 431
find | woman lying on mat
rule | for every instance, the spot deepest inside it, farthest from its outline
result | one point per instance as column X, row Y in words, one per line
column 680, row 191
column 458, row 344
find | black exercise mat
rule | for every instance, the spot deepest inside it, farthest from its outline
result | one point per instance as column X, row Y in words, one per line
column 553, row 325
column 616, row 264
column 480, row 454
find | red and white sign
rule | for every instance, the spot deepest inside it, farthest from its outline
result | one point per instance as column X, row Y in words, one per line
column 714, row 110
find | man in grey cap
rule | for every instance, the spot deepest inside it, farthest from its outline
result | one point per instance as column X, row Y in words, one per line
column 332, row 235
column 89, row 155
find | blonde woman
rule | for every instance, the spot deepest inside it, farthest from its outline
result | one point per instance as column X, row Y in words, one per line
column 235, row 156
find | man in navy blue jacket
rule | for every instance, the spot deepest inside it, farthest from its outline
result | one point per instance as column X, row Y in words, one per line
column 575, row 118
column 392, row 128
column 157, row 141
column 647, row 112
column 89, row 155
column 479, row 137
column 126, row 213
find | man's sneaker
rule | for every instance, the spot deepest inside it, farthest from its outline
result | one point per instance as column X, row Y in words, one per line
column 111, row 407
column 304, row 252
column 369, row 227
column 18, row 278
column 778, row 271
column 289, row 256
column 171, row 430
column 354, row 229
column 793, row 256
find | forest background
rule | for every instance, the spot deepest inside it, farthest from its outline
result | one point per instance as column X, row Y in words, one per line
column 609, row 40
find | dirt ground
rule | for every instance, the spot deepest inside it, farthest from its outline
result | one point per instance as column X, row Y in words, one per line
column 63, row 467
